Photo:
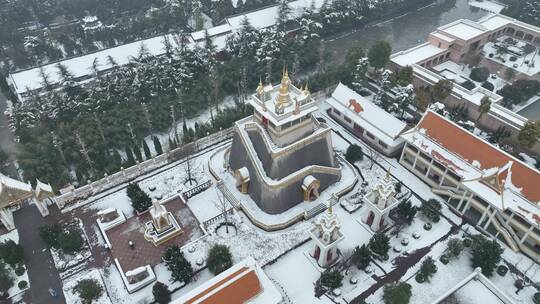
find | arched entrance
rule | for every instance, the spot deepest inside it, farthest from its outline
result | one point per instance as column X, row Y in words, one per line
column 370, row 218
column 310, row 187
column 242, row 179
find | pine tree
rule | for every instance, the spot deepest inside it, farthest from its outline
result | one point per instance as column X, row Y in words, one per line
column 397, row 293
column 219, row 259
column 529, row 134
column 138, row 154
column 139, row 199
column 379, row 54
column 379, row 244
column 146, row 149
column 331, row 279
column 428, row 268
column 178, row 265
column 485, row 254
column 157, row 145
column 162, row 294
column 130, row 161
column 431, row 209
column 361, row 257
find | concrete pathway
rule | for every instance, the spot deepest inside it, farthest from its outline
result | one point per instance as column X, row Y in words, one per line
column 41, row 271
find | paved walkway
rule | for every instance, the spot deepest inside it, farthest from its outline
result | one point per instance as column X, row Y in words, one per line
column 41, row 271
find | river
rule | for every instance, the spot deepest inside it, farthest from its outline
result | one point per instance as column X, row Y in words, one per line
column 405, row 31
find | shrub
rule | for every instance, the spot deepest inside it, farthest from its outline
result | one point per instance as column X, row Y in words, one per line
column 488, row 86
column 430, row 209
column 397, row 293
column 467, row 242
column 19, row 271
column 50, row 234
column 512, row 58
column 479, row 74
column 219, row 259
column 161, row 293
column 536, row 298
column 177, row 264
column 6, row 280
column 419, row 278
column 485, row 254
column 88, row 290
column 502, row 270
column 70, row 241
column 406, row 211
column 379, row 244
column 454, row 247
column 331, row 279
column 11, row 252
column 22, row 284
column 354, row 153
column 444, row 259
column 139, row 199
column 427, row 226
column 428, row 268
column 361, row 257
column 469, row 85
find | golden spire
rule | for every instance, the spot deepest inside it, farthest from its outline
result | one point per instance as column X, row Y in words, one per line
column 284, row 99
column 306, row 90
column 260, row 88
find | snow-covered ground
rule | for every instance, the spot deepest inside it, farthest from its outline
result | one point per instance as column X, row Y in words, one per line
column 461, row 73
column 72, row 297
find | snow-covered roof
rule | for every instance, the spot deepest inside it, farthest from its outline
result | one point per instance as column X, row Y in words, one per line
column 82, row 66
column 267, row 17
column 213, row 31
column 372, row 118
column 463, row 29
column 443, row 37
column 416, row 54
column 475, row 160
column 244, row 282
column 496, row 21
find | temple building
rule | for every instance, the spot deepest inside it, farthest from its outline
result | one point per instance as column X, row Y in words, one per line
column 281, row 155
column 494, row 190
column 14, row 192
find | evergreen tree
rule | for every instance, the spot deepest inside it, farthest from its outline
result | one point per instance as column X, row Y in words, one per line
column 178, row 265
column 6, row 280
column 157, row 145
column 441, row 90
column 379, row 244
column 405, row 76
column 219, row 259
column 354, row 153
column 130, row 161
column 11, row 252
column 138, row 154
column 361, row 257
column 146, row 149
column 529, row 134
column 485, row 254
column 359, row 74
column 331, row 279
column 139, row 199
column 406, row 211
column 88, row 290
column 379, row 54
column 162, row 294
column 431, row 209
column 397, row 293
column 428, row 268
column 454, row 247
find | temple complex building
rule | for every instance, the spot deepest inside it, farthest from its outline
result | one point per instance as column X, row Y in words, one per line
column 281, row 155
column 496, row 191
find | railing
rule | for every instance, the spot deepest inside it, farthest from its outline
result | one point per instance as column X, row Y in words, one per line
column 196, row 190
column 217, row 218
column 129, row 174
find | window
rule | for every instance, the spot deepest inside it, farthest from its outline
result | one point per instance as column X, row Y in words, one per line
column 439, row 45
column 370, row 135
column 347, row 119
column 382, row 144
column 336, row 112
column 358, row 129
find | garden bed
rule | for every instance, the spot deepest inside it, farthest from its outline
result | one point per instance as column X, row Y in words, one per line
column 69, row 264
column 73, row 298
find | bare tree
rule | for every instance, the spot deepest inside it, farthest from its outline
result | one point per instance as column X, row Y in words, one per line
column 191, row 169
column 224, row 207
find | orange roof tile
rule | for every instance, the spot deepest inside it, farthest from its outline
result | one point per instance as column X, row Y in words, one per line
column 470, row 148
column 237, row 288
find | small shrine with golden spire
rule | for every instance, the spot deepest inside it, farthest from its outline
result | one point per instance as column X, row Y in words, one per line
column 379, row 202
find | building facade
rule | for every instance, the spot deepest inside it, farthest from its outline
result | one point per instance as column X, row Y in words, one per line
column 493, row 190
column 367, row 121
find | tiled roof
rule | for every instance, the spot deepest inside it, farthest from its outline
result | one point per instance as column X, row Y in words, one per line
column 473, row 149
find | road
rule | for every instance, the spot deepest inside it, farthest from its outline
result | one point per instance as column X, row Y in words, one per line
column 41, row 271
